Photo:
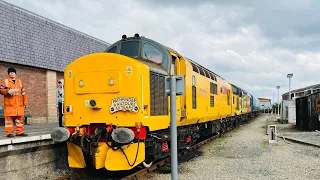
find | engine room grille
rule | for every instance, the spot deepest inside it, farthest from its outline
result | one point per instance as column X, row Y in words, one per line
column 158, row 98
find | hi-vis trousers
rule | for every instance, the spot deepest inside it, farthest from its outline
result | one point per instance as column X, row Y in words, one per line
column 19, row 121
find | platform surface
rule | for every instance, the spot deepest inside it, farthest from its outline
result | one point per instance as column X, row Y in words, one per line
column 34, row 131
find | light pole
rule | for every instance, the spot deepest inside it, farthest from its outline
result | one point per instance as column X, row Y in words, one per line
column 289, row 76
column 278, row 117
column 272, row 102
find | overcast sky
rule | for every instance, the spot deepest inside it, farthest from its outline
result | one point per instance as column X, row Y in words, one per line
column 252, row 44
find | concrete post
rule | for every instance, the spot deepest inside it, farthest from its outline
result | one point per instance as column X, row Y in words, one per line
column 289, row 76
column 289, row 88
column 278, row 117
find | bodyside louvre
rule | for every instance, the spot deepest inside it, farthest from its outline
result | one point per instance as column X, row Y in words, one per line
column 158, row 98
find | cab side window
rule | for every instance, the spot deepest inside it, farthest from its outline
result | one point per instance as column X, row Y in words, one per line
column 152, row 53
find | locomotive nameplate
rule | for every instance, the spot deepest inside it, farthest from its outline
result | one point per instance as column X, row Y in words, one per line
column 124, row 104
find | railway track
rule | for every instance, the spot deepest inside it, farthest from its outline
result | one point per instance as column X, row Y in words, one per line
column 137, row 174
column 142, row 172
column 299, row 141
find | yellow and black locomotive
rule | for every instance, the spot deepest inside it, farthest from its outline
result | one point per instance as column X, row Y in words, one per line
column 117, row 113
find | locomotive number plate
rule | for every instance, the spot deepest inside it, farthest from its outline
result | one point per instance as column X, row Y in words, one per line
column 124, row 104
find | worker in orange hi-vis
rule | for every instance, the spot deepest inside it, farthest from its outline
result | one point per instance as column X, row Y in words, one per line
column 15, row 100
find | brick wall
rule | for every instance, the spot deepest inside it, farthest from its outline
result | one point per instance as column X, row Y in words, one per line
column 34, row 80
column 29, row 39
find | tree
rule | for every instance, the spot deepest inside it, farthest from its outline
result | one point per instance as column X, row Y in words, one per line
column 275, row 107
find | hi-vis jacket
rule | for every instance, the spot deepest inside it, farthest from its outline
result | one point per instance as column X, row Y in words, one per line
column 13, row 104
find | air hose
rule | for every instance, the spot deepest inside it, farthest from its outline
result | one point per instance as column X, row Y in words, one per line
column 120, row 147
column 136, row 153
column 82, row 142
column 74, row 136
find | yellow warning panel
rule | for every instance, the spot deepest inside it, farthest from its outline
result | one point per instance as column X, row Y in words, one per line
column 100, row 155
column 116, row 160
column 129, row 70
column 75, row 156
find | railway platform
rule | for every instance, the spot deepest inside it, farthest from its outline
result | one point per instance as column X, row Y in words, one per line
column 31, row 130
column 35, row 156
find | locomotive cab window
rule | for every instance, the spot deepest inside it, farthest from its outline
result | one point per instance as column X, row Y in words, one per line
column 151, row 53
column 174, row 64
column 113, row 50
column 130, row 48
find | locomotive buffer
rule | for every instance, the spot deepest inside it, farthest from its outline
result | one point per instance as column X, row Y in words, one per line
column 174, row 86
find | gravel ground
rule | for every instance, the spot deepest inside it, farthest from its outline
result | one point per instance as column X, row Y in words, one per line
column 245, row 153
column 289, row 130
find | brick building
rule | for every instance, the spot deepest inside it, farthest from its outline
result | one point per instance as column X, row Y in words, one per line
column 265, row 103
column 40, row 49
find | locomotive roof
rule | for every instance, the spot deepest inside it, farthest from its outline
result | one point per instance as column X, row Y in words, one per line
column 163, row 47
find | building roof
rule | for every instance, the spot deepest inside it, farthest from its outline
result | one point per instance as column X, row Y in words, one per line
column 315, row 86
column 264, row 100
column 32, row 40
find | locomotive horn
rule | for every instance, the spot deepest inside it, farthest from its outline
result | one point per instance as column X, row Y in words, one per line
column 136, row 36
column 60, row 134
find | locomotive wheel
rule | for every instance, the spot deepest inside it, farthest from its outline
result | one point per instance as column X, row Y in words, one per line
column 147, row 163
column 223, row 127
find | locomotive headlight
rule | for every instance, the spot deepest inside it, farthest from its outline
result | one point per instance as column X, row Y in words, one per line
column 81, row 83
column 111, row 82
column 122, row 135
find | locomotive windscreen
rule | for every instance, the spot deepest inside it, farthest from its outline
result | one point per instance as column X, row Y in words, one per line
column 130, row 48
